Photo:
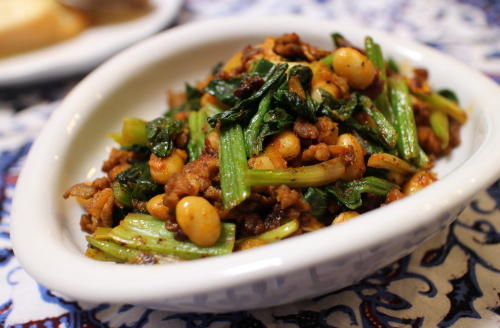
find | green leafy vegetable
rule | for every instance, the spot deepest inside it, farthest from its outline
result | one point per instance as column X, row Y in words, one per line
column 122, row 193
column 449, row 94
column 262, row 67
column 404, row 120
column 440, row 125
column 140, row 235
column 233, row 166
column 137, row 181
column 374, row 53
column 193, row 97
column 385, row 131
column 304, row 74
column 160, row 133
column 304, row 176
column 224, row 90
column 244, row 109
column 318, row 199
column 293, row 103
column 337, row 109
column 349, row 193
column 197, row 122
column 133, row 133
column 278, row 233
column 450, row 107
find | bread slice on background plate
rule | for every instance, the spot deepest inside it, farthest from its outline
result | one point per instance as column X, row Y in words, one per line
column 30, row 24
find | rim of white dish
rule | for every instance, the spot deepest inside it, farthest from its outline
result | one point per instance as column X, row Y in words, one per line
column 90, row 280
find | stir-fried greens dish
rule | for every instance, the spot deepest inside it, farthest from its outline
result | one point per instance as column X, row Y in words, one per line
column 283, row 139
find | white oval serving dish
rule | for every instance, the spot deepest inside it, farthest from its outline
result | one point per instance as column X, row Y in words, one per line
column 45, row 230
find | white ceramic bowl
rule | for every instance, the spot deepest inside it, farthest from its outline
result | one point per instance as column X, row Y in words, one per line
column 45, row 229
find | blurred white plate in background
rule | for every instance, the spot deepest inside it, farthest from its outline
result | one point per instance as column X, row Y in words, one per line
column 87, row 50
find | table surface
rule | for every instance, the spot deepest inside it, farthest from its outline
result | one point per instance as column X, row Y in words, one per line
column 453, row 280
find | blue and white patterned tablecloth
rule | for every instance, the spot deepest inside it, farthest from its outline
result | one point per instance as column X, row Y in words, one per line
column 453, row 280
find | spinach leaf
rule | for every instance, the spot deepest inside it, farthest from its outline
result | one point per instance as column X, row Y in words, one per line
column 192, row 102
column 244, row 109
column 304, row 74
column 224, row 90
column 160, row 133
column 292, row 102
column 449, row 94
column 349, row 192
column 318, row 199
column 138, row 182
column 337, row 109
column 274, row 121
column 262, row 67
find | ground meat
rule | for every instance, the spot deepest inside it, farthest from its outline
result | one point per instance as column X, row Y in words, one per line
column 305, row 130
column 394, row 195
column 308, row 222
column 275, row 218
column 286, row 196
column 328, row 130
column 182, row 138
column 418, row 83
column 195, row 177
column 82, row 190
column 100, row 211
column 116, row 157
column 117, row 170
column 251, row 225
column 87, row 190
column 176, row 99
column 318, row 152
column 249, row 85
column 289, row 46
column 428, row 140
column 212, row 193
column 421, row 111
column 454, row 129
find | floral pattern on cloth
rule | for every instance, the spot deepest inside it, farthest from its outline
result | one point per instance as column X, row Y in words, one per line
column 452, row 280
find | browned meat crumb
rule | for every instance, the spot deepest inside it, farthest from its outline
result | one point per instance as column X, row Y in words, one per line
column 175, row 99
column 182, row 138
column 319, row 152
column 287, row 196
column 117, row 170
column 305, row 130
column 428, row 140
column 328, row 130
column 418, row 83
column 194, row 178
column 83, row 190
column 421, row 111
column 394, row 195
column 289, row 46
column 116, row 157
column 454, row 133
column 100, row 211
column 249, row 85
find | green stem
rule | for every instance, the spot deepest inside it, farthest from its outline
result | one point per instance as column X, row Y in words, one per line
column 374, row 53
column 233, row 166
column 252, row 131
column 438, row 102
column 305, row 176
column 197, row 122
column 440, row 126
column 146, row 233
column 404, row 119
column 386, row 131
